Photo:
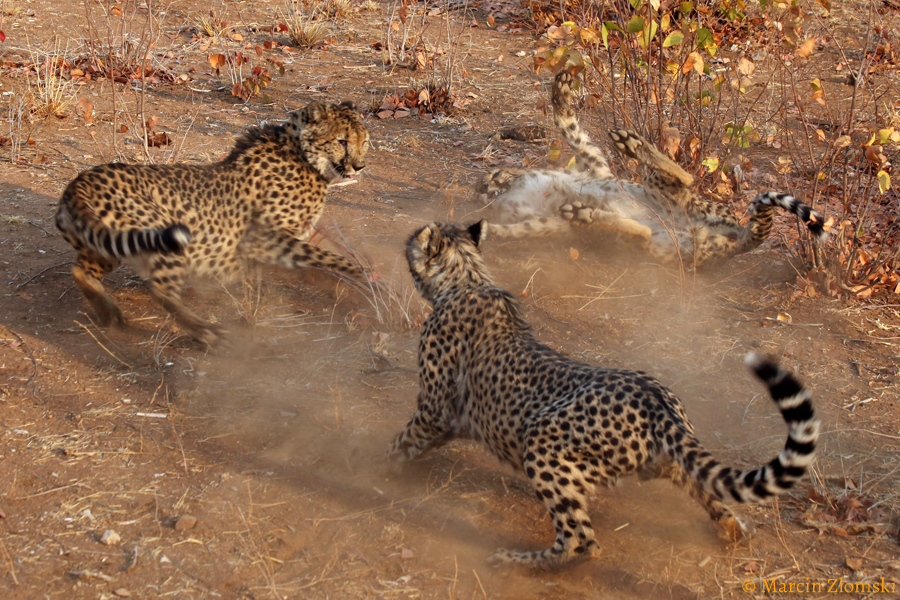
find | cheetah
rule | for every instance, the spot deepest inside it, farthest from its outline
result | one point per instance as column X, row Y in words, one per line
column 172, row 221
column 568, row 425
column 662, row 213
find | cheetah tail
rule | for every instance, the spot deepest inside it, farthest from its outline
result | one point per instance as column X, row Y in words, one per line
column 782, row 472
column 120, row 245
column 811, row 218
column 123, row 244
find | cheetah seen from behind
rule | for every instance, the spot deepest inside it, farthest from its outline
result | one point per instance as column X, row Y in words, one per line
column 172, row 221
column 663, row 213
column 569, row 425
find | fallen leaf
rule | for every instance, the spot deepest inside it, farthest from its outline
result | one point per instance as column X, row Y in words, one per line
column 87, row 110
column 160, row 139
column 854, row 564
column 806, row 48
column 573, row 254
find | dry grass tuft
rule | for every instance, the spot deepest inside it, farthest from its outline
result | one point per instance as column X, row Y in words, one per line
column 304, row 30
column 49, row 93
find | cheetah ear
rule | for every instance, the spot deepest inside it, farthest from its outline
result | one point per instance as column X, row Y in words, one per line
column 348, row 104
column 429, row 240
column 314, row 111
column 478, row 232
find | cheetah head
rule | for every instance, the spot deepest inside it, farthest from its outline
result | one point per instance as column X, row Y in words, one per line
column 445, row 257
column 332, row 137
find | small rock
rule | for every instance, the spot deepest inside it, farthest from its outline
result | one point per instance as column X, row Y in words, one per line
column 87, row 514
column 110, row 538
column 185, row 522
column 406, row 554
column 164, row 559
column 122, row 593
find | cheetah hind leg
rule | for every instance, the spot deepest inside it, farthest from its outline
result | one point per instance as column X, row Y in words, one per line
column 166, row 285
column 634, row 146
column 563, row 491
column 88, row 271
column 731, row 527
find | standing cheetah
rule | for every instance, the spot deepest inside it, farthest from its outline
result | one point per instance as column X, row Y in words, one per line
column 663, row 212
column 569, row 425
column 171, row 221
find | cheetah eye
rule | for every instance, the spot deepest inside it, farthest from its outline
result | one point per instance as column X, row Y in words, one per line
column 343, row 142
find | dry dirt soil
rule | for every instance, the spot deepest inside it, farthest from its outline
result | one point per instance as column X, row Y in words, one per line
column 256, row 470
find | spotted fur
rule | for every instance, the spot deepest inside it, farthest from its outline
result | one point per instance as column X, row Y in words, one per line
column 568, row 425
column 663, row 213
column 170, row 221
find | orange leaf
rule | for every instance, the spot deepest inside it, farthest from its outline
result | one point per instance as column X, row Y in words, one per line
column 573, row 254
column 806, row 48
column 87, row 110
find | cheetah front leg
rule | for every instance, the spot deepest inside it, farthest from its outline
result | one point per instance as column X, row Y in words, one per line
column 539, row 227
column 561, row 481
column 283, row 249
column 424, row 431
column 88, row 272
column 586, row 216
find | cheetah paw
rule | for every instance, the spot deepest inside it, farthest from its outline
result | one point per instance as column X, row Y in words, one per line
column 626, row 142
column 577, row 212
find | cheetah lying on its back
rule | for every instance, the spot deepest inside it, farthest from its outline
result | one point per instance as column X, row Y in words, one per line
column 170, row 221
column 569, row 425
column 662, row 212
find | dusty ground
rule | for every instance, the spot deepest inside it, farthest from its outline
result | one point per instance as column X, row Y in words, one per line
column 274, row 445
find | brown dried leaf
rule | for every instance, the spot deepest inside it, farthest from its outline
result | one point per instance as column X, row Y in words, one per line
column 806, row 48
column 854, row 564
column 87, row 110
column 160, row 139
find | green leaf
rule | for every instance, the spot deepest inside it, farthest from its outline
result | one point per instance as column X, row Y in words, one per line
column 673, row 39
column 704, row 38
column 648, row 34
column 635, row 25
column 686, row 8
column 711, row 163
column 604, row 35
